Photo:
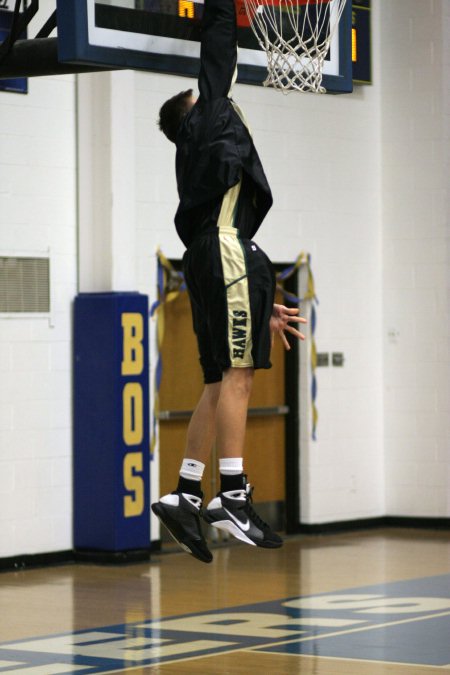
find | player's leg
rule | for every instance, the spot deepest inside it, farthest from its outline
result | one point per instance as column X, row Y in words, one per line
column 232, row 406
column 202, row 426
column 179, row 511
column 231, row 510
column 199, row 440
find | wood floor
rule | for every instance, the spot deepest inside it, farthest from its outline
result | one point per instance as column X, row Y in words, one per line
column 63, row 600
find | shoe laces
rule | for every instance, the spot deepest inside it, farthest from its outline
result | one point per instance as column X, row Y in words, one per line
column 250, row 511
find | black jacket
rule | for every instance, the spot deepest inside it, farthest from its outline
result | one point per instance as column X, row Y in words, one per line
column 214, row 146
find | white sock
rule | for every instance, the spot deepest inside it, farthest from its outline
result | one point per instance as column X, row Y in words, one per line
column 192, row 469
column 231, row 466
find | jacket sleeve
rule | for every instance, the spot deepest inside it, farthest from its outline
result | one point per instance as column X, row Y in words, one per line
column 218, row 55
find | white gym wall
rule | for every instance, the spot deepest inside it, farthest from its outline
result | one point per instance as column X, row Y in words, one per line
column 415, row 141
column 37, row 218
column 359, row 181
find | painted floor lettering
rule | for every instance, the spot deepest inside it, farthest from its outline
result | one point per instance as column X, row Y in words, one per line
column 406, row 622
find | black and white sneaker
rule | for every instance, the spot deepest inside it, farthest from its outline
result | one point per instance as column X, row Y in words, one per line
column 233, row 512
column 179, row 512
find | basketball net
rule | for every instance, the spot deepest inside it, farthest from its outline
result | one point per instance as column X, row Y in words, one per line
column 296, row 36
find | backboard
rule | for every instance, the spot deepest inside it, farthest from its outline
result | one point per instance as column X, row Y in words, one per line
column 18, row 85
column 164, row 36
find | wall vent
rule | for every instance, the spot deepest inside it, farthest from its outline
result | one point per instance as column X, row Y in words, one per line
column 24, row 285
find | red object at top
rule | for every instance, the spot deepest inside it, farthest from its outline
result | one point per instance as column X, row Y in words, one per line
column 243, row 19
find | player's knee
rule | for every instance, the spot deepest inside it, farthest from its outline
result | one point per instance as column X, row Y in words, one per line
column 212, row 392
column 240, row 379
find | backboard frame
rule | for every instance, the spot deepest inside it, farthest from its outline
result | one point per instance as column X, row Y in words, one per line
column 15, row 85
column 79, row 42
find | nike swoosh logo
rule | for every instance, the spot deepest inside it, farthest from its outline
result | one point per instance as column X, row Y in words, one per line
column 244, row 526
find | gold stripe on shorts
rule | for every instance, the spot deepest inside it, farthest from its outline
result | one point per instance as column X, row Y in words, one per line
column 236, row 283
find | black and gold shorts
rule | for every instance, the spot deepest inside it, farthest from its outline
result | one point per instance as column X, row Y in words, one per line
column 231, row 285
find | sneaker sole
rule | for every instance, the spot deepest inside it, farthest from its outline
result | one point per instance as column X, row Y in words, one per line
column 232, row 528
column 159, row 512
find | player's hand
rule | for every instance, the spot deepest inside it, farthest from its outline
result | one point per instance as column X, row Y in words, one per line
column 279, row 323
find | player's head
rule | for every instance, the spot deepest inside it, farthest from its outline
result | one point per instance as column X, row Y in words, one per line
column 173, row 111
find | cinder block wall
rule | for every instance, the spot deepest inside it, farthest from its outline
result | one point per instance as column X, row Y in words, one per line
column 38, row 218
column 415, row 68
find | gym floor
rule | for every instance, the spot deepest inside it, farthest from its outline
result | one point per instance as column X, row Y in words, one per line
column 363, row 603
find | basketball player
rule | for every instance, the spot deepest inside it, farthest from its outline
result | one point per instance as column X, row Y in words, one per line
column 224, row 197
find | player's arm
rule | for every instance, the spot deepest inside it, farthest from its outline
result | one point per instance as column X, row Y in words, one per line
column 218, row 49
